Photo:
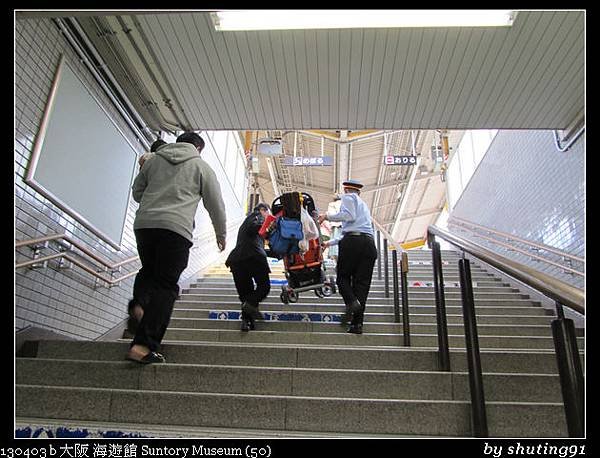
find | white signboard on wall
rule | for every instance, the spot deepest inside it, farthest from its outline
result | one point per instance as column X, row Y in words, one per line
column 81, row 160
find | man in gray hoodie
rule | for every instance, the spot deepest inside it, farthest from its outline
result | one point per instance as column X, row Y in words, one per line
column 169, row 188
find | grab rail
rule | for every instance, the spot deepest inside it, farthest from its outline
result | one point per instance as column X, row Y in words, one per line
column 34, row 243
column 403, row 291
column 514, row 237
column 563, row 330
column 66, row 238
column 526, row 253
column 75, row 261
column 551, row 287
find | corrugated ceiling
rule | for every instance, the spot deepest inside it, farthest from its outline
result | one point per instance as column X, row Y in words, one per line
column 528, row 76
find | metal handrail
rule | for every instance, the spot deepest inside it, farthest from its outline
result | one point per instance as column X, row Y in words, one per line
column 563, row 331
column 570, row 141
column 387, row 235
column 77, row 263
column 518, row 239
column 551, row 287
column 65, row 255
column 526, row 253
column 66, row 238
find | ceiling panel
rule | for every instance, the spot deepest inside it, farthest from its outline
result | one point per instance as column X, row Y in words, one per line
column 529, row 75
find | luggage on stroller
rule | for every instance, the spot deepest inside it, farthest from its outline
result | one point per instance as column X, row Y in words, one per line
column 304, row 268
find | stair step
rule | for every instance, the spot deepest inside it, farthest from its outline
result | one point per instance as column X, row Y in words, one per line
column 384, row 384
column 308, row 356
column 499, row 308
column 366, row 339
column 182, row 312
column 149, row 430
column 308, row 297
column 296, row 413
column 226, row 286
column 413, row 293
column 374, row 327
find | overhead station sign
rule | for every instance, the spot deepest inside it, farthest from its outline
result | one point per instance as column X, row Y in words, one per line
column 400, row 160
column 308, row 161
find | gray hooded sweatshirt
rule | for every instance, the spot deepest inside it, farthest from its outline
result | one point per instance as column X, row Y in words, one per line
column 169, row 188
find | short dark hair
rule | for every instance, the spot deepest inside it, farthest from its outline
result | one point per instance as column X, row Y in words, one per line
column 157, row 144
column 193, row 138
column 262, row 206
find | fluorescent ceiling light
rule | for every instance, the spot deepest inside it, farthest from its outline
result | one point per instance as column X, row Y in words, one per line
column 343, row 19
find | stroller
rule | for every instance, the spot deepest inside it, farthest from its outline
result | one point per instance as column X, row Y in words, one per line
column 303, row 271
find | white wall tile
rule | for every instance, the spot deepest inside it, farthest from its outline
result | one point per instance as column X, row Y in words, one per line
column 525, row 187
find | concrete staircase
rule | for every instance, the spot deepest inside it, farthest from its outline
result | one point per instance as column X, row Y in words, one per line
column 299, row 374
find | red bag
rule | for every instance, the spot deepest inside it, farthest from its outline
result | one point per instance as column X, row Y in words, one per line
column 263, row 229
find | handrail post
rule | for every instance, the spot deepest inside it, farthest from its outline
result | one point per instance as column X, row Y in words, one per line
column 570, row 372
column 378, row 255
column 395, row 283
column 478, row 414
column 440, row 305
column 405, row 311
column 386, row 279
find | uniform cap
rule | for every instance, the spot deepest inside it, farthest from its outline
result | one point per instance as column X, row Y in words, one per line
column 352, row 184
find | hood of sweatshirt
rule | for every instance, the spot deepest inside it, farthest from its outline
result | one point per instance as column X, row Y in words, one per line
column 178, row 152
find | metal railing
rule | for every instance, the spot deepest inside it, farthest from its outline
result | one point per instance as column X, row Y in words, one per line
column 532, row 245
column 40, row 243
column 563, row 330
column 400, row 295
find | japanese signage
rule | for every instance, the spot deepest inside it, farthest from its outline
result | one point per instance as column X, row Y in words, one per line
column 400, row 160
column 307, row 161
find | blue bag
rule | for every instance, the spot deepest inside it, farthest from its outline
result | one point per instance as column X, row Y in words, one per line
column 285, row 237
column 291, row 228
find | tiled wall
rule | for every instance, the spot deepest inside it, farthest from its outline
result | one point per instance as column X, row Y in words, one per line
column 527, row 188
column 67, row 301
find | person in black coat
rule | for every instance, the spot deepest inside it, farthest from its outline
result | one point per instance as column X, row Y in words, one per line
column 248, row 262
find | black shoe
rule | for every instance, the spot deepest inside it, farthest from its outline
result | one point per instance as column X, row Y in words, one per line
column 250, row 313
column 356, row 311
column 355, row 329
column 345, row 318
column 245, row 325
column 151, row 358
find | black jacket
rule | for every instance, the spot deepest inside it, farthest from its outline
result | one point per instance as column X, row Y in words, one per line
column 249, row 244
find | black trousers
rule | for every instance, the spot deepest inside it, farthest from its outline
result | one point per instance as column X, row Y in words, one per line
column 247, row 272
column 164, row 255
column 356, row 259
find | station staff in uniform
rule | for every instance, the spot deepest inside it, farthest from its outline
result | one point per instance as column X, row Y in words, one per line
column 357, row 253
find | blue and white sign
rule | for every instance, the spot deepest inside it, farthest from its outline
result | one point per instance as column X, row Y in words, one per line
column 299, row 161
column 273, row 316
column 400, row 160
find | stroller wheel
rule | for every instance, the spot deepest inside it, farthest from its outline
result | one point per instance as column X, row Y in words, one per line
column 327, row 291
column 319, row 292
column 332, row 285
column 284, row 298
